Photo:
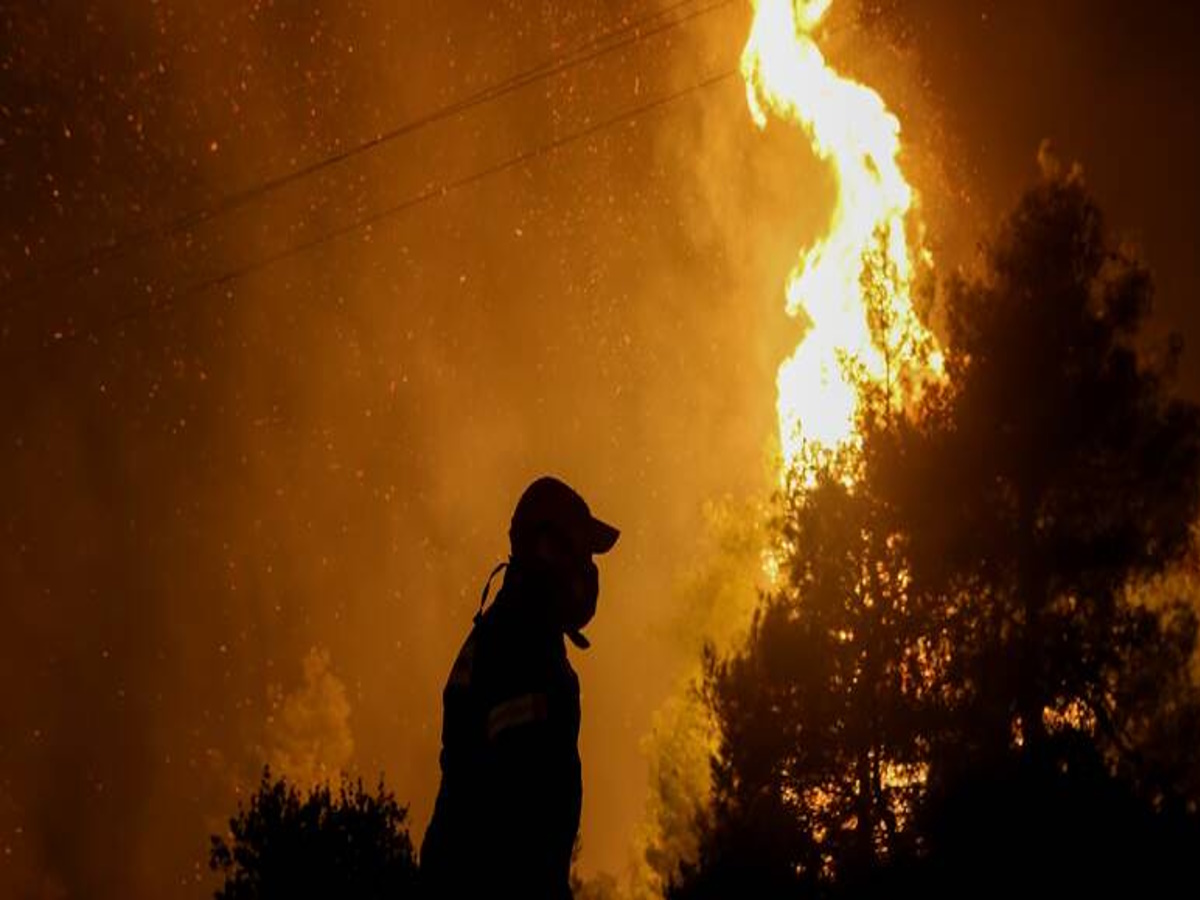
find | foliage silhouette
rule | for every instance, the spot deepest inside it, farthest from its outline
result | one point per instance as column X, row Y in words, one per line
column 347, row 844
column 1052, row 468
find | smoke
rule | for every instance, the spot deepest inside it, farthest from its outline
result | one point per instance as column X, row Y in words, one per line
column 308, row 738
column 1052, row 167
column 714, row 598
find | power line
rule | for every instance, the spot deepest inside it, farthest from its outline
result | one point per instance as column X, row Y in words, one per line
column 582, row 53
column 118, row 247
column 414, row 200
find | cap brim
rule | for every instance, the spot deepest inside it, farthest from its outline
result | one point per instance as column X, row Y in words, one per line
column 602, row 536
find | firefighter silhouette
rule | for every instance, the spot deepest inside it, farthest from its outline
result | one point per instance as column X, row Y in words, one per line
column 507, row 812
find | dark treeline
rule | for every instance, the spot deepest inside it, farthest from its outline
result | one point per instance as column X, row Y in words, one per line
column 955, row 685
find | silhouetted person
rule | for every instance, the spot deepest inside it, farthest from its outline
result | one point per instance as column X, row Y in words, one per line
column 507, row 813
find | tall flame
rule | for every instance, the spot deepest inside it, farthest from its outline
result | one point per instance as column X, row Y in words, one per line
column 848, row 125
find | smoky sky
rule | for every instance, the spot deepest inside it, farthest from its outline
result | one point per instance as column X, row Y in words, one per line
column 202, row 492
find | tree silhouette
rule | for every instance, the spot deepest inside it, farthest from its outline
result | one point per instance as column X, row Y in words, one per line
column 347, row 844
column 1052, row 468
column 951, row 684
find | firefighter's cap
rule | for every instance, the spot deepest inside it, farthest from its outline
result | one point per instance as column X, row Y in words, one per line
column 551, row 504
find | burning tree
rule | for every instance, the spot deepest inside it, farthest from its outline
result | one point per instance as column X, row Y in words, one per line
column 826, row 712
column 950, row 680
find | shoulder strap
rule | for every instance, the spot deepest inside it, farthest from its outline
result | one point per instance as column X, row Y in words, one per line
column 487, row 587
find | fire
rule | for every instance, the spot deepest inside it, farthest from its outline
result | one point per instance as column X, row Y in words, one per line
column 858, row 322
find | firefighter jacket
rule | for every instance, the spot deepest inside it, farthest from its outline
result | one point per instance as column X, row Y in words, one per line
column 507, row 812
